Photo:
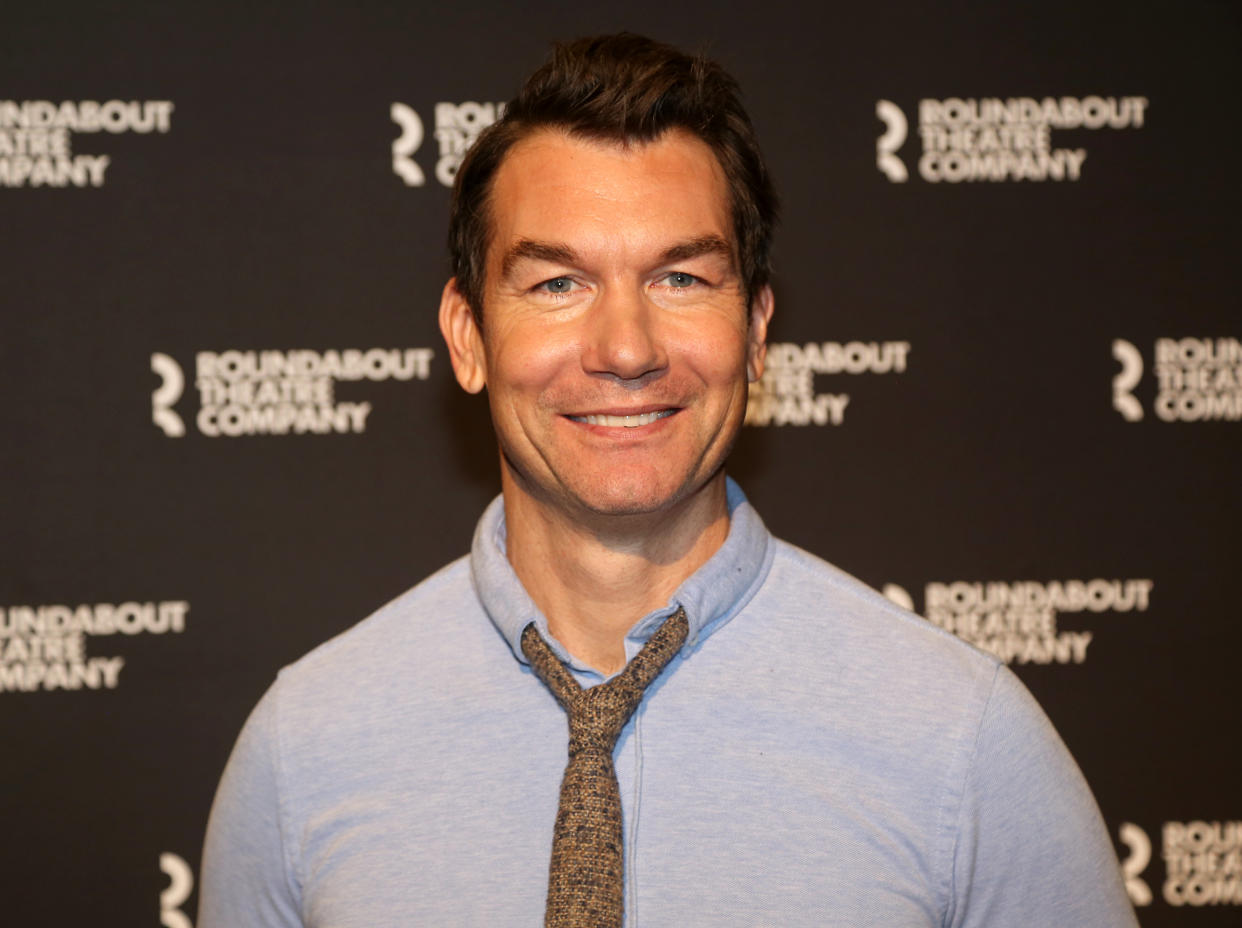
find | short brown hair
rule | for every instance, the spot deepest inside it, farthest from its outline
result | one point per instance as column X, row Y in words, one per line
column 623, row 88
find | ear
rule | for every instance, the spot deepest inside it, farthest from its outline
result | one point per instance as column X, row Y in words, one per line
column 464, row 339
column 757, row 338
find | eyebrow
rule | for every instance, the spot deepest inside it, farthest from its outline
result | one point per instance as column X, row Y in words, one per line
column 697, row 247
column 559, row 253
column 528, row 250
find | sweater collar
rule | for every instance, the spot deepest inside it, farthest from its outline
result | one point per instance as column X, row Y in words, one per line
column 711, row 596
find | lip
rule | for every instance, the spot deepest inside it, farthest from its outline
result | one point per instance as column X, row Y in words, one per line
column 659, row 414
column 623, row 410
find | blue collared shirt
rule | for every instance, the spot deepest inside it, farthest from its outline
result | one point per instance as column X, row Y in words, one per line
column 814, row 756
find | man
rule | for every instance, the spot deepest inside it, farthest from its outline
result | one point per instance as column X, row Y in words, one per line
column 800, row 751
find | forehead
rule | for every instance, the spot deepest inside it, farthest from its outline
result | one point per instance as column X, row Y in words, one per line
column 606, row 196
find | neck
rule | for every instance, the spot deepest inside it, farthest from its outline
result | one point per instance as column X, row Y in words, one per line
column 594, row 575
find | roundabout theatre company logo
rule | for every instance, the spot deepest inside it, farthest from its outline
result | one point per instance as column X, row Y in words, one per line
column 1017, row 622
column 44, row 647
column 457, row 125
column 991, row 139
column 1202, row 863
column 786, row 393
column 1197, row 379
column 278, row 392
column 36, row 138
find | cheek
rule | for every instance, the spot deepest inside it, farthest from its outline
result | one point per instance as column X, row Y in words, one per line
column 717, row 354
column 528, row 361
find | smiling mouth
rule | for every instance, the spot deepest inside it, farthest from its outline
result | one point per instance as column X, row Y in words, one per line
column 628, row 422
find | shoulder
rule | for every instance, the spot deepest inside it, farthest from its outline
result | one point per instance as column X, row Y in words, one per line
column 409, row 642
column 871, row 674
column 444, row 597
column 959, row 733
column 833, row 610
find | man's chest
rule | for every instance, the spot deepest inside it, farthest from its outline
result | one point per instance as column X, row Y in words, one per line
column 735, row 833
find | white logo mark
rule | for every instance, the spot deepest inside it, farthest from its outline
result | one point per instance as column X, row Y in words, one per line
column 405, row 145
column 1131, row 372
column 1139, row 844
column 166, row 394
column 887, row 144
column 898, row 594
column 180, row 882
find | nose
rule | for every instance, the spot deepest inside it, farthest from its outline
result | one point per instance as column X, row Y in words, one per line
column 623, row 341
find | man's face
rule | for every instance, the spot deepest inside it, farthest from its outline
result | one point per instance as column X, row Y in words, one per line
column 616, row 339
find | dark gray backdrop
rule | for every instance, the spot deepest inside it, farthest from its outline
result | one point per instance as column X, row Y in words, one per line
column 269, row 216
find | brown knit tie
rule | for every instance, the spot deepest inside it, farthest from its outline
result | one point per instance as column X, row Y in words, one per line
column 585, row 881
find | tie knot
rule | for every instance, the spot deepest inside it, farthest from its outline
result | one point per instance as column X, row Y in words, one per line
column 597, row 715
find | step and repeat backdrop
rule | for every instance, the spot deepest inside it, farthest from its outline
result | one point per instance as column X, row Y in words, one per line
column 1004, row 384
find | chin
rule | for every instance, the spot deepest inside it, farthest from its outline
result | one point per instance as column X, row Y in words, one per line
column 628, row 507
column 631, row 497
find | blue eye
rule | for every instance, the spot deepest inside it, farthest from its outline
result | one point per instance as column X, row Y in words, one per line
column 557, row 285
column 679, row 279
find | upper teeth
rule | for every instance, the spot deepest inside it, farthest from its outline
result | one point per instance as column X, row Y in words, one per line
column 629, row 422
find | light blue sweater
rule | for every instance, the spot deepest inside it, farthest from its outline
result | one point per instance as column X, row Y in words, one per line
column 815, row 756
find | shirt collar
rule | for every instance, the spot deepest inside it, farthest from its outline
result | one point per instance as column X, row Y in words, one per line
column 711, row 596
